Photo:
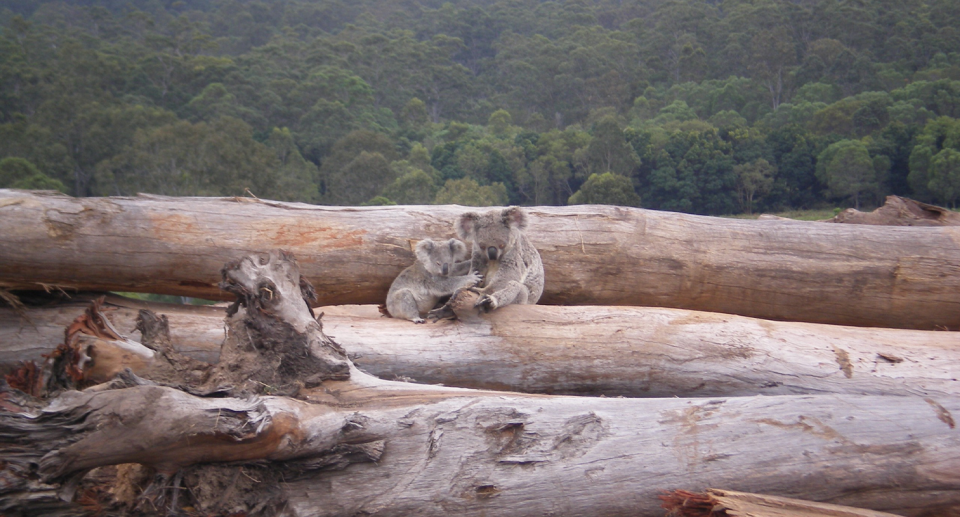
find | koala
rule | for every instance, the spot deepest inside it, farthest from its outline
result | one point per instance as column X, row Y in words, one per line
column 510, row 265
column 437, row 272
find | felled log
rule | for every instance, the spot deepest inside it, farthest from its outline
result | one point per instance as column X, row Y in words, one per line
column 439, row 452
column 592, row 255
column 724, row 503
column 900, row 211
column 356, row 444
column 25, row 335
column 612, row 351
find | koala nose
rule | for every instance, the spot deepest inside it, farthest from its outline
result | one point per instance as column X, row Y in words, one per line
column 492, row 252
column 445, row 269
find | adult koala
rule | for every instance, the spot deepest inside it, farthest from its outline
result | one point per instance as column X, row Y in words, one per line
column 510, row 265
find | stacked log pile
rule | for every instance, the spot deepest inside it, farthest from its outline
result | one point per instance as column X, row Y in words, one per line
column 783, row 358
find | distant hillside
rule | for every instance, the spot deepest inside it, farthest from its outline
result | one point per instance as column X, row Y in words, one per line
column 701, row 107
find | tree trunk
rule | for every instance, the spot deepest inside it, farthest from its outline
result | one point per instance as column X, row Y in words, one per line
column 442, row 452
column 611, row 351
column 592, row 255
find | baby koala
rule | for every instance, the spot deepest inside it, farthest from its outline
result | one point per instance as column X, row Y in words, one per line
column 439, row 271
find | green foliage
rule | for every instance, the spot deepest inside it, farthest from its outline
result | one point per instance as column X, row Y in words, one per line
column 362, row 178
column 414, row 114
column 13, row 170
column 753, row 178
column 318, row 101
column 468, row 192
column 677, row 111
column 21, row 174
column 357, row 169
column 413, row 188
column 818, row 92
column 499, row 122
column 688, row 171
column 609, row 150
column 297, row 177
column 378, row 201
column 938, row 138
column 606, row 189
column 945, row 175
column 847, row 170
column 207, row 159
column 166, row 298
column 773, row 52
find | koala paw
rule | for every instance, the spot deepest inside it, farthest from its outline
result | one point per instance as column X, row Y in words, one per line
column 441, row 313
column 486, row 303
column 418, row 320
column 473, row 278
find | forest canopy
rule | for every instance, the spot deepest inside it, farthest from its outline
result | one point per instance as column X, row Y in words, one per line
column 708, row 107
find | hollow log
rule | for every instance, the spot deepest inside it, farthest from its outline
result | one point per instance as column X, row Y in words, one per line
column 592, row 255
column 612, row 351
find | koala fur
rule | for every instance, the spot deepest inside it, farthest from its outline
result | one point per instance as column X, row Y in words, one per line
column 439, row 271
column 510, row 265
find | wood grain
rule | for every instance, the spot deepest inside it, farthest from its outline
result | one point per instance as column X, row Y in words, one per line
column 903, row 277
column 588, row 350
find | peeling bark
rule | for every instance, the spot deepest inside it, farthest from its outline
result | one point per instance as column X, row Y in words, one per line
column 723, row 503
column 439, row 451
column 592, row 255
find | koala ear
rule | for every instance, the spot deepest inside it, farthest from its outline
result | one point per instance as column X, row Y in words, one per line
column 514, row 217
column 457, row 248
column 466, row 224
column 423, row 250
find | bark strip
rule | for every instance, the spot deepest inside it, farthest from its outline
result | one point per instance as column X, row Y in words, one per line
column 724, row 503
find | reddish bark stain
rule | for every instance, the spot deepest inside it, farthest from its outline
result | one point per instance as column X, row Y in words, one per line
column 174, row 227
column 291, row 233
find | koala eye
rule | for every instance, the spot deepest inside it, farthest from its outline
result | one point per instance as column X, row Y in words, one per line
column 501, row 246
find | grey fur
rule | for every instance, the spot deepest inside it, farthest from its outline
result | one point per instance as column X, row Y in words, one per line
column 418, row 288
column 511, row 266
